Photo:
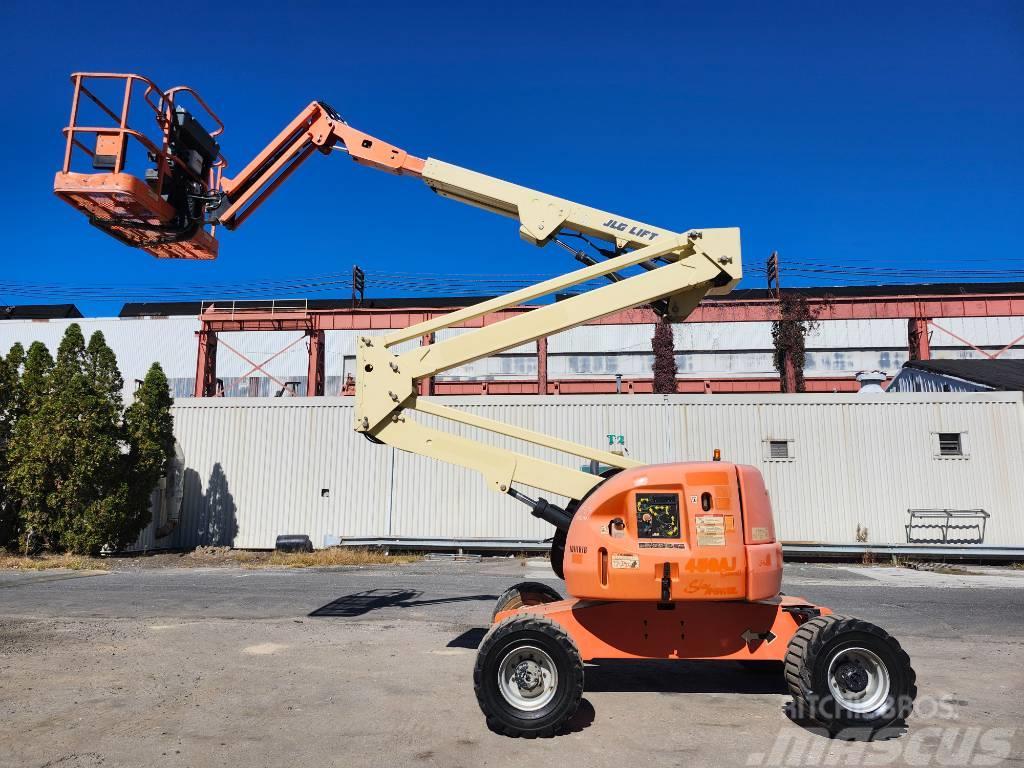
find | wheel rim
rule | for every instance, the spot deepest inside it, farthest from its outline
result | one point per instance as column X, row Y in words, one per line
column 858, row 679
column 527, row 678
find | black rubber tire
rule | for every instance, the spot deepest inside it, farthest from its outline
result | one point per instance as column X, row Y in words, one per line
column 502, row 716
column 558, row 551
column 559, row 539
column 525, row 593
column 812, row 648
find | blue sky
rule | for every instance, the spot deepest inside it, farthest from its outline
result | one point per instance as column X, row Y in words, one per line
column 871, row 134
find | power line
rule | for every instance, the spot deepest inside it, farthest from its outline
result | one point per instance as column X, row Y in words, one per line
column 454, row 284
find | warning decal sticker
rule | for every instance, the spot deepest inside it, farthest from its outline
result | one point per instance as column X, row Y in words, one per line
column 625, row 561
column 710, row 531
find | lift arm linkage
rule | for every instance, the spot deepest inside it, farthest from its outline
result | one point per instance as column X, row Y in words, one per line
column 386, row 383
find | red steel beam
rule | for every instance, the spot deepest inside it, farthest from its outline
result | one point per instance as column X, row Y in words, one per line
column 315, row 372
column 426, row 385
column 715, row 311
column 206, row 363
column 917, row 339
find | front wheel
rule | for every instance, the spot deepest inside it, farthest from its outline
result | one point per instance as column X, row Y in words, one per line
column 847, row 673
column 528, row 677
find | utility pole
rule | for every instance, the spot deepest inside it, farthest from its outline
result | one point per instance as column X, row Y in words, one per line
column 788, row 369
column 358, row 286
column 772, row 269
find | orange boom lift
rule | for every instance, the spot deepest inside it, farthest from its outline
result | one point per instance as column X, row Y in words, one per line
column 669, row 561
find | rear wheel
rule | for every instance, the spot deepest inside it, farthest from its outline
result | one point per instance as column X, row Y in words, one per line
column 849, row 673
column 528, row 677
column 525, row 593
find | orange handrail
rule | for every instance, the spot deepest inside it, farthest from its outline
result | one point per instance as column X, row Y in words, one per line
column 162, row 104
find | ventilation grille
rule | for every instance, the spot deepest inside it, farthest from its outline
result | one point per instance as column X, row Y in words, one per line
column 949, row 444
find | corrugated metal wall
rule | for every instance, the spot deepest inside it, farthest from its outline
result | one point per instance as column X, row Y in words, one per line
column 259, row 468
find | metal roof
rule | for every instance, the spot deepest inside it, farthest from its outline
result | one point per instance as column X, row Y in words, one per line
column 38, row 311
column 194, row 308
column 1005, row 375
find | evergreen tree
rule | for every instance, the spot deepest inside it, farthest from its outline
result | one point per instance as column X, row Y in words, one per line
column 82, row 468
column 28, row 480
column 97, row 515
column 35, row 378
column 664, row 359
column 149, row 429
column 10, row 371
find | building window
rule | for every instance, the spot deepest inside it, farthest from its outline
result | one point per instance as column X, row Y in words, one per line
column 950, row 444
column 778, row 449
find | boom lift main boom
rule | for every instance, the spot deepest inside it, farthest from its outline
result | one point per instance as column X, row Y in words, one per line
column 677, row 561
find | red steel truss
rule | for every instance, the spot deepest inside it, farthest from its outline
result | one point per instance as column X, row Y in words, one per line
column 919, row 310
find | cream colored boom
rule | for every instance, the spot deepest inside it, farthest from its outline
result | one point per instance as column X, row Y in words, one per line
column 541, row 216
column 700, row 261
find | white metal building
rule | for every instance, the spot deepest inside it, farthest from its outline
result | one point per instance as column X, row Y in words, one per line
column 844, row 470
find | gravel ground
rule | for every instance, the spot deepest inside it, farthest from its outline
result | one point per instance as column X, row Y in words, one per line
column 372, row 666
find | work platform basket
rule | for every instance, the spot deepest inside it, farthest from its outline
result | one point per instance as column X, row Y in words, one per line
column 143, row 172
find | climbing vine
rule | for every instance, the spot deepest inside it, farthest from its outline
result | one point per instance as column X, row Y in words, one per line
column 665, row 368
column 789, row 334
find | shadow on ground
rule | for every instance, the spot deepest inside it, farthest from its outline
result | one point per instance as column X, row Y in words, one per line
column 661, row 675
column 664, row 676
column 893, row 731
column 471, row 639
column 361, row 603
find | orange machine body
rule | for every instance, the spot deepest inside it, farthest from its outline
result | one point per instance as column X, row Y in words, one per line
column 675, row 532
column 630, row 629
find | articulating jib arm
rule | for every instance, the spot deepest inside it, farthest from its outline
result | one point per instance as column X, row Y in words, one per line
column 317, row 127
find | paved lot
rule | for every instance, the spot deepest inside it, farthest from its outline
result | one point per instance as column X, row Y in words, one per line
column 372, row 666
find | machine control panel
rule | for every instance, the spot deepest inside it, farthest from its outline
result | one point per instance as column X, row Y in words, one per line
column 657, row 515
